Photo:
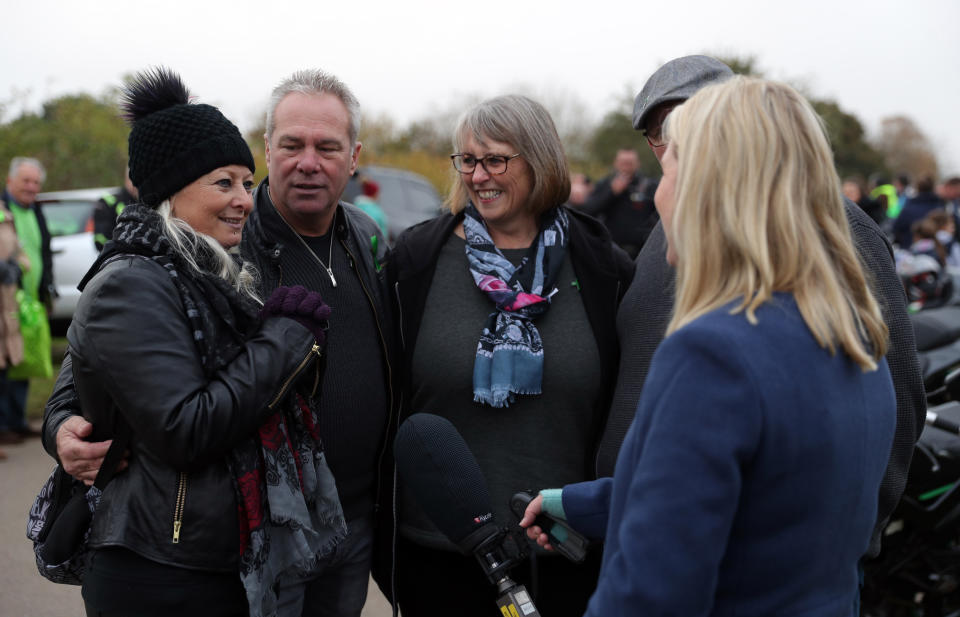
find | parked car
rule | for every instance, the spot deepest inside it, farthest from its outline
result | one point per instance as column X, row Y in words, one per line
column 406, row 197
column 69, row 217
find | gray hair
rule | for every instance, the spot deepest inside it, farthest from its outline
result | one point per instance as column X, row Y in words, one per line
column 184, row 239
column 20, row 161
column 527, row 126
column 315, row 81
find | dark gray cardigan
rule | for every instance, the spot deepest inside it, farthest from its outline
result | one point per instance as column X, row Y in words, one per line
column 645, row 312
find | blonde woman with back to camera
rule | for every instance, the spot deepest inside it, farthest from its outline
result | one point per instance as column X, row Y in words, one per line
column 748, row 481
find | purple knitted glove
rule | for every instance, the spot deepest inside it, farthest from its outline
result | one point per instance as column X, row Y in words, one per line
column 305, row 307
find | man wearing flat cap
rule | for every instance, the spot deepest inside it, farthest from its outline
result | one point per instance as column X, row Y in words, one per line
column 648, row 303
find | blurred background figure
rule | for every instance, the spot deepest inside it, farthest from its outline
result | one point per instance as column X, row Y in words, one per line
column 916, row 208
column 24, row 181
column 367, row 201
column 11, row 343
column 109, row 207
column 925, row 241
column 946, row 234
column 580, row 189
column 624, row 202
column 853, row 189
column 885, row 194
column 949, row 192
column 902, row 184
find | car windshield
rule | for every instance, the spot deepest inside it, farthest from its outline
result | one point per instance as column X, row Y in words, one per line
column 67, row 217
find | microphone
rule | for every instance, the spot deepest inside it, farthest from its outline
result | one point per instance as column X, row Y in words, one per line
column 438, row 468
column 436, row 465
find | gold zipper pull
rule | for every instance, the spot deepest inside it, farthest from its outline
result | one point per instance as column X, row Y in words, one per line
column 178, row 507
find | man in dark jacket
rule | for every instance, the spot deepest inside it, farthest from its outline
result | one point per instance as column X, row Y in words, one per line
column 646, row 308
column 300, row 233
column 916, row 208
column 23, row 184
column 108, row 208
column 624, row 202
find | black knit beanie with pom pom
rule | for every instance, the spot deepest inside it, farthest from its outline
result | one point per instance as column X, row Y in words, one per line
column 173, row 142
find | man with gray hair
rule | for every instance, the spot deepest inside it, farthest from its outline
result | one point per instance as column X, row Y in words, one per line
column 24, row 181
column 301, row 233
column 648, row 303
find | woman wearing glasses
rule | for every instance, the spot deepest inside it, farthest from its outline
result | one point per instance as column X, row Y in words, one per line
column 507, row 309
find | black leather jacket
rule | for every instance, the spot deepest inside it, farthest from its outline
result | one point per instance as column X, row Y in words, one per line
column 134, row 360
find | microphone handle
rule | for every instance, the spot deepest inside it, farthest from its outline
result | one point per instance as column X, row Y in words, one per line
column 515, row 600
column 567, row 541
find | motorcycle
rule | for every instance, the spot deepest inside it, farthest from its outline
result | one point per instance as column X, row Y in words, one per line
column 917, row 573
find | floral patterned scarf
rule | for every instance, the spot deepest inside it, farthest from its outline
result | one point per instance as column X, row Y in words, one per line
column 509, row 357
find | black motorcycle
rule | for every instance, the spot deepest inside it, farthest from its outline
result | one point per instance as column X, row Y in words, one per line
column 917, row 574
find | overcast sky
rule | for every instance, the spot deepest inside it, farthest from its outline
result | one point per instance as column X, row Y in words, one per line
column 409, row 58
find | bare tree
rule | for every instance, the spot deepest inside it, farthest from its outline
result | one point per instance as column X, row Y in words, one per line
column 906, row 148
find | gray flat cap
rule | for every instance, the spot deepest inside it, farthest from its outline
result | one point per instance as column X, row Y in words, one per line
column 677, row 80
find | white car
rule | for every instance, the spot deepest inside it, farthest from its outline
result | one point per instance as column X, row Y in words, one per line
column 69, row 217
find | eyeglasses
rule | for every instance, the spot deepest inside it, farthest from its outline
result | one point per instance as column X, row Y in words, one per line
column 654, row 136
column 494, row 164
column 653, row 130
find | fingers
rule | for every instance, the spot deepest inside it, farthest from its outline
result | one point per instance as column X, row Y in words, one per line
column 292, row 300
column 537, row 535
column 83, row 469
column 534, row 508
column 313, row 307
column 79, row 458
column 76, row 425
column 274, row 302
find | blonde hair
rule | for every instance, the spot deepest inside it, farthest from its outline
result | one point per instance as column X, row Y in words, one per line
column 184, row 239
column 759, row 210
column 527, row 126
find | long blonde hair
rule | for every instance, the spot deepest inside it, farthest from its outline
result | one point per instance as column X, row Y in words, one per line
column 759, row 210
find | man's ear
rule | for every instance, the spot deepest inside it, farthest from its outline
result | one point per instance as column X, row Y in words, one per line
column 266, row 149
column 355, row 158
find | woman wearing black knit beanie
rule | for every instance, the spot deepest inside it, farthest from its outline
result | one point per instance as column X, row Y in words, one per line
column 227, row 490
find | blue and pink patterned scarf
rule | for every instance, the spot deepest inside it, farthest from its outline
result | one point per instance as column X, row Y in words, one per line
column 510, row 352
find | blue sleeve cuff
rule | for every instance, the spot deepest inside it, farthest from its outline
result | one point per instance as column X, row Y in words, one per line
column 553, row 502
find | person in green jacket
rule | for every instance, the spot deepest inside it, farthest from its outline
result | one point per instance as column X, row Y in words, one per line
column 24, row 180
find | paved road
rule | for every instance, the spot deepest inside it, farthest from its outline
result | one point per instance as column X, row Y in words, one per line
column 23, row 592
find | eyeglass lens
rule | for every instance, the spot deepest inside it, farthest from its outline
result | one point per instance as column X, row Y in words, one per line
column 493, row 163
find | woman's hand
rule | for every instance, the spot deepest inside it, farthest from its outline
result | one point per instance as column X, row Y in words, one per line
column 534, row 508
column 304, row 307
column 81, row 458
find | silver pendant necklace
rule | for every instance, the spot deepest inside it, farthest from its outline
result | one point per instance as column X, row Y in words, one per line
column 328, row 268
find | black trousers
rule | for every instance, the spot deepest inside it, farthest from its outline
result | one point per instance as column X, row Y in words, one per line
column 121, row 583
column 440, row 583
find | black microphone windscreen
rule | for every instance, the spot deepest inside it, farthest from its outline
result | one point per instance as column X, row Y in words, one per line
column 436, row 465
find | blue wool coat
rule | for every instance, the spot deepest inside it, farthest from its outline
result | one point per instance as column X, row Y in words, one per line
column 748, row 481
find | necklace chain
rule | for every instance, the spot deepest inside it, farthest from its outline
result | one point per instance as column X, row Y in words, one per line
column 328, row 268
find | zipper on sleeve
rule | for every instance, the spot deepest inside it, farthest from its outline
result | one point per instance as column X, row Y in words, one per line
column 178, row 508
column 315, row 350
